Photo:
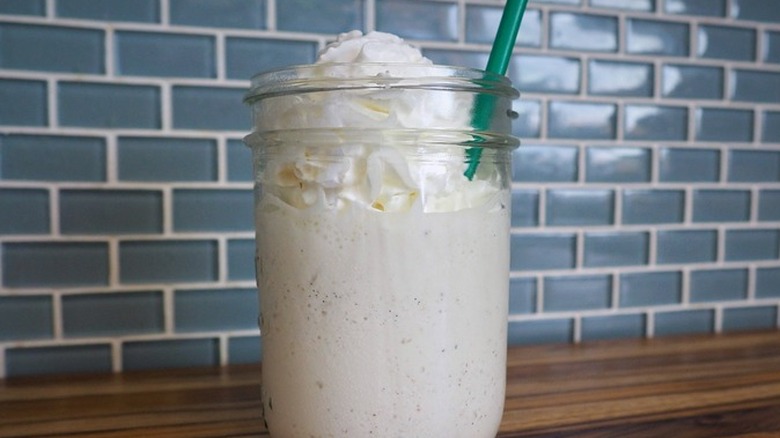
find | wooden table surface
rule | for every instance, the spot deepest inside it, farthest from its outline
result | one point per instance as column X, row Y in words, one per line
column 674, row 387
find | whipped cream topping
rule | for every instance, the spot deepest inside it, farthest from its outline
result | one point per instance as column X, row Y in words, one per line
column 341, row 170
column 354, row 47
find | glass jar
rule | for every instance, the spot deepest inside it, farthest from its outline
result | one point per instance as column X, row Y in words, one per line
column 382, row 262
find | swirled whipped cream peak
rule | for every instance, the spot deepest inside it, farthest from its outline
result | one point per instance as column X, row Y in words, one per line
column 354, row 47
column 371, row 139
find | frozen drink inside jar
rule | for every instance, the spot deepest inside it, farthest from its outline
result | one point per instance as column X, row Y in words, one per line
column 382, row 264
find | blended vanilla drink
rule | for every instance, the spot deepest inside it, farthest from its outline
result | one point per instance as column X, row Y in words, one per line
column 382, row 261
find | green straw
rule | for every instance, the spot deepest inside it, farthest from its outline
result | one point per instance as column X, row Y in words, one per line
column 498, row 62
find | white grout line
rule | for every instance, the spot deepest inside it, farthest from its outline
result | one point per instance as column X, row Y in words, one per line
column 270, row 14
column 222, row 260
column 169, row 315
column 165, row 13
column 751, row 286
column 166, row 110
column 112, row 159
column 57, row 316
column 221, row 57
column 54, row 212
column 718, row 322
column 114, row 267
column 370, row 19
column 116, row 356
column 223, row 349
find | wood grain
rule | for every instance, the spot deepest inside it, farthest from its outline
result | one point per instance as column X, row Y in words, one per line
column 680, row 387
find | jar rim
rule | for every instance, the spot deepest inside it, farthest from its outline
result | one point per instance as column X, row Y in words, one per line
column 331, row 76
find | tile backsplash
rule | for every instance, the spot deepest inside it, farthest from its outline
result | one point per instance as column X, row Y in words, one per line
column 646, row 195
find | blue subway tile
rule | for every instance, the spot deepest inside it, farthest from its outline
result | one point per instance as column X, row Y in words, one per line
column 721, row 42
column 110, row 211
column 213, row 210
column 522, row 296
column 541, row 331
column 209, row 108
column 543, row 251
column 245, row 349
column 752, row 244
column 545, row 164
column 482, row 24
column 595, row 328
column 109, row 105
column 686, row 246
column 724, row 125
column 41, row 264
column 144, row 355
column 581, row 120
column 114, row 314
column 768, row 205
column 771, row 51
column 418, row 19
column 24, row 211
column 616, row 78
column 529, row 118
column 616, row 249
column 651, row 122
column 546, row 74
column 51, row 48
column 164, row 54
column 767, row 282
column 580, row 292
column 23, row 7
column 26, row 317
column 708, row 8
column 758, row 10
column 583, row 32
column 653, row 206
column 754, row 166
column 245, row 14
column 71, row 359
column 650, row 37
column 650, row 288
column 633, row 5
column 755, row 86
column 241, row 259
column 304, row 16
column 560, row 2
column 459, row 57
column 685, row 322
column 692, row 82
column 525, row 208
column 689, row 165
column 52, row 158
column 239, row 162
column 167, row 159
column 721, row 205
column 719, row 285
column 167, row 261
column 749, row 318
column 146, row 11
column 215, row 309
column 617, row 164
column 29, row 103
column 580, row 207
column 245, row 57
column 770, row 132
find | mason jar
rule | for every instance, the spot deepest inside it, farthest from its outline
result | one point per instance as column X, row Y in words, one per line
column 382, row 211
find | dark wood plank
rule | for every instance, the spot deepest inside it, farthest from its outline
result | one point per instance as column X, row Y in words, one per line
column 692, row 387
